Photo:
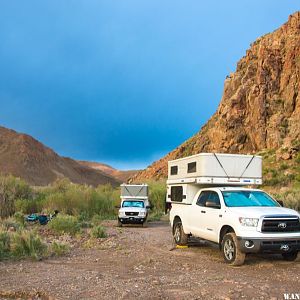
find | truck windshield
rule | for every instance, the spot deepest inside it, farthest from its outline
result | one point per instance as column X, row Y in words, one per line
column 130, row 203
column 247, row 198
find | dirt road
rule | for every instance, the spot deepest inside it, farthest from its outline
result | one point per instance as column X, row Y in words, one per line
column 136, row 263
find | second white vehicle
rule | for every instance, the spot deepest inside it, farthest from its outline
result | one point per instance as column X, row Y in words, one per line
column 134, row 204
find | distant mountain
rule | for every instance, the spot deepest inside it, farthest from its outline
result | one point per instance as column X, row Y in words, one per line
column 260, row 107
column 123, row 176
column 23, row 156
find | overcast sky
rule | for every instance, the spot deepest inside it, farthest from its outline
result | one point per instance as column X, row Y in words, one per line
column 122, row 81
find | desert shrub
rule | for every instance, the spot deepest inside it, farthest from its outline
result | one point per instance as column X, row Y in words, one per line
column 11, row 189
column 96, row 220
column 11, row 223
column 85, row 224
column 31, row 205
column 27, row 244
column 98, row 232
column 291, row 198
column 106, row 199
column 83, row 216
column 4, row 244
column 65, row 224
column 157, row 194
column 283, row 167
column 155, row 215
column 81, row 200
column 274, row 178
column 19, row 217
column 59, row 249
column 24, row 243
column 60, row 185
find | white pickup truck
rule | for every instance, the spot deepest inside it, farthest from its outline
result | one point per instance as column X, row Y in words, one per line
column 239, row 219
column 134, row 204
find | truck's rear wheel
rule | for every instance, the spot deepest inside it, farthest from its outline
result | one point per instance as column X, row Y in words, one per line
column 231, row 252
column 291, row 256
column 180, row 237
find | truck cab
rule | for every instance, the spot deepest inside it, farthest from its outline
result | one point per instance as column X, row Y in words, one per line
column 241, row 220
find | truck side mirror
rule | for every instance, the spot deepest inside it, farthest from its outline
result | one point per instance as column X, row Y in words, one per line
column 149, row 206
column 280, row 203
column 212, row 204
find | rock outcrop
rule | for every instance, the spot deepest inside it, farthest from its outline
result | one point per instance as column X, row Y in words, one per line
column 260, row 107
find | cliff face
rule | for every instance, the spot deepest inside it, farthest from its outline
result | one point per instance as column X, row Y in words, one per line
column 23, row 156
column 260, row 107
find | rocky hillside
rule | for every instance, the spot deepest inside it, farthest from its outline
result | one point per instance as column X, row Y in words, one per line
column 23, row 156
column 260, row 107
column 123, row 176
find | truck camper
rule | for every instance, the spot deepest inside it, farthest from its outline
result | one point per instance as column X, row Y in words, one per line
column 208, row 199
column 134, row 204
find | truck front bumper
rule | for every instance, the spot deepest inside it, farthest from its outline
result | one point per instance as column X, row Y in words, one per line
column 132, row 220
column 260, row 245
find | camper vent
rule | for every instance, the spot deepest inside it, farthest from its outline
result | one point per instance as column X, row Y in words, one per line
column 174, row 170
column 192, row 167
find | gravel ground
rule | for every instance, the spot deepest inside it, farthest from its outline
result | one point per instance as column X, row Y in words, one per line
column 141, row 263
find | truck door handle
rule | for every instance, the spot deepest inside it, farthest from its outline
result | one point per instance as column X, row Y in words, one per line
column 203, row 211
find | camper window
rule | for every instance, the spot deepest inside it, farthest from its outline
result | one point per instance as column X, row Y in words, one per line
column 192, row 167
column 176, row 193
column 174, row 170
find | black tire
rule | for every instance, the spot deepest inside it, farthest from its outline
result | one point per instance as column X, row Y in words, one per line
column 290, row 256
column 119, row 223
column 180, row 237
column 230, row 250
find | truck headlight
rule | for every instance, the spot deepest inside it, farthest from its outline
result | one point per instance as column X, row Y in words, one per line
column 249, row 222
column 142, row 214
column 121, row 214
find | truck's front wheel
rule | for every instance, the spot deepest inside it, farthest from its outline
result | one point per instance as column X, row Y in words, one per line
column 291, row 256
column 231, row 252
column 180, row 237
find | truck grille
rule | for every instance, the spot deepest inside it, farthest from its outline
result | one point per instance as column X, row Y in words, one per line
column 280, row 224
column 131, row 213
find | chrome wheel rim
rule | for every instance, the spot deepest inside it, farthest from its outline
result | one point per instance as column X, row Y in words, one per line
column 177, row 233
column 229, row 249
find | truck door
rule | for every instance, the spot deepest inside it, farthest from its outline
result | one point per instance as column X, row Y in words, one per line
column 206, row 215
column 213, row 214
column 198, row 215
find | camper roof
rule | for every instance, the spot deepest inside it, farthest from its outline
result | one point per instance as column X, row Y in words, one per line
column 209, row 154
column 216, row 169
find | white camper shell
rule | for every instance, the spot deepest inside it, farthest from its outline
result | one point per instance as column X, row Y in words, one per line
column 214, row 168
column 186, row 175
column 138, row 191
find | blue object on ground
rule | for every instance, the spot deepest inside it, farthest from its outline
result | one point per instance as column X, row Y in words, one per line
column 32, row 218
column 43, row 219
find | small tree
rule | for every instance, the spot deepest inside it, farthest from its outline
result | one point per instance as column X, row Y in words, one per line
column 11, row 189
